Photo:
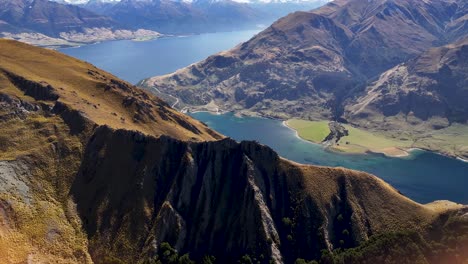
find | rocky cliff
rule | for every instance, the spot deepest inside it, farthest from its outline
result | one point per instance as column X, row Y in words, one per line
column 93, row 169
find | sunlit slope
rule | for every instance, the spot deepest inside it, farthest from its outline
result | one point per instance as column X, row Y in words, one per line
column 98, row 95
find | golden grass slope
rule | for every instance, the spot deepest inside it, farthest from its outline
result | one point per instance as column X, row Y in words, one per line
column 40, row 155
column 101, row 97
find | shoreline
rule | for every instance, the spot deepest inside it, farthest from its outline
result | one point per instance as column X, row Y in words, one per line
column 406, row 154
column 284, row 123
column 407, row 151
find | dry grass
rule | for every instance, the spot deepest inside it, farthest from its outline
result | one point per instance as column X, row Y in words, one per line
column 44, row 228
column 370, row 197
column 86, row 92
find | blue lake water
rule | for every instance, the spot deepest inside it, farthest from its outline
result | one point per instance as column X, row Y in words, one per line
column 423, row 176
column 134, row 61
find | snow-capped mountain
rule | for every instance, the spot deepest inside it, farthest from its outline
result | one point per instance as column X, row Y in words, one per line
column 195, row 16
column 81, row 2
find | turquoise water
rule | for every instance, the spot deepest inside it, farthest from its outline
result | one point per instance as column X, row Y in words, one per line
column 137, row 60
column 423, row 176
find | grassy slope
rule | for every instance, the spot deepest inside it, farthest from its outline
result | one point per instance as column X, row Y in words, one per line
column 47, row 229
column 86, row 88
column 41, row 223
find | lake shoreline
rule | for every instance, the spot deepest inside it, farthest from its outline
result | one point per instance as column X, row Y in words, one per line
column 407, row 151
column 417, row 176
column 284, row 122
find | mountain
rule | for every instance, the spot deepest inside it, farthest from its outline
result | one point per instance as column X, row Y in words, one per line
column 94, row 169
column 309, row 64
column 198, row 16
column 43, row 21
column 181, row 17
column 430, row 86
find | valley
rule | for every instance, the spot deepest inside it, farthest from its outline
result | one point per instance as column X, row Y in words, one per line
column 350, row 62
column 166, row 55
column 333, row 136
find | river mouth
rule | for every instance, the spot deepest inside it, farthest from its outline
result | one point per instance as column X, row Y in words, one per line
column 422, row 176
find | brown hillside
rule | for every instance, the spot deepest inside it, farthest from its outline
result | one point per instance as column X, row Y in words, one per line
column 99, row 96
column 78, row 185
column 308, row 64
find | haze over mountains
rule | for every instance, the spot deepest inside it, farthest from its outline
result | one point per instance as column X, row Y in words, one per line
column 44, row 22
column 94, row 169
column 309, row 64
column 169, row 16
column 62, row 23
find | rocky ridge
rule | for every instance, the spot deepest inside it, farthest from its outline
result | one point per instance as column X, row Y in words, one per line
column 96, row 170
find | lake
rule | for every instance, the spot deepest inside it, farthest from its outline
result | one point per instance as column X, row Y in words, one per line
column 423, row 176
column 134, row 61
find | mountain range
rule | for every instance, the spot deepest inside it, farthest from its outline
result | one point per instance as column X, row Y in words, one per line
column 45, row 22
column 322, row 64
column 95, row 170
column 169, row 16
column 68, row 23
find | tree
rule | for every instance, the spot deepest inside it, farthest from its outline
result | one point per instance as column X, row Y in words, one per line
column 185, row 259
column 245, row 260
column 208, row 260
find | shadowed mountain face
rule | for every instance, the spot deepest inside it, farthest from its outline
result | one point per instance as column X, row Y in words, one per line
column 96, row 170
column 48, row 17
column 308, row 63
column 432, row 85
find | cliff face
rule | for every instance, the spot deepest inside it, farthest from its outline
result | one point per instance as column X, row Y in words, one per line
column 225, row 199
column 79, row 187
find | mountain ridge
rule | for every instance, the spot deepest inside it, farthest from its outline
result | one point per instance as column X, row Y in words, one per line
column 79, row 185
column 297, row 55
column 315, row 65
